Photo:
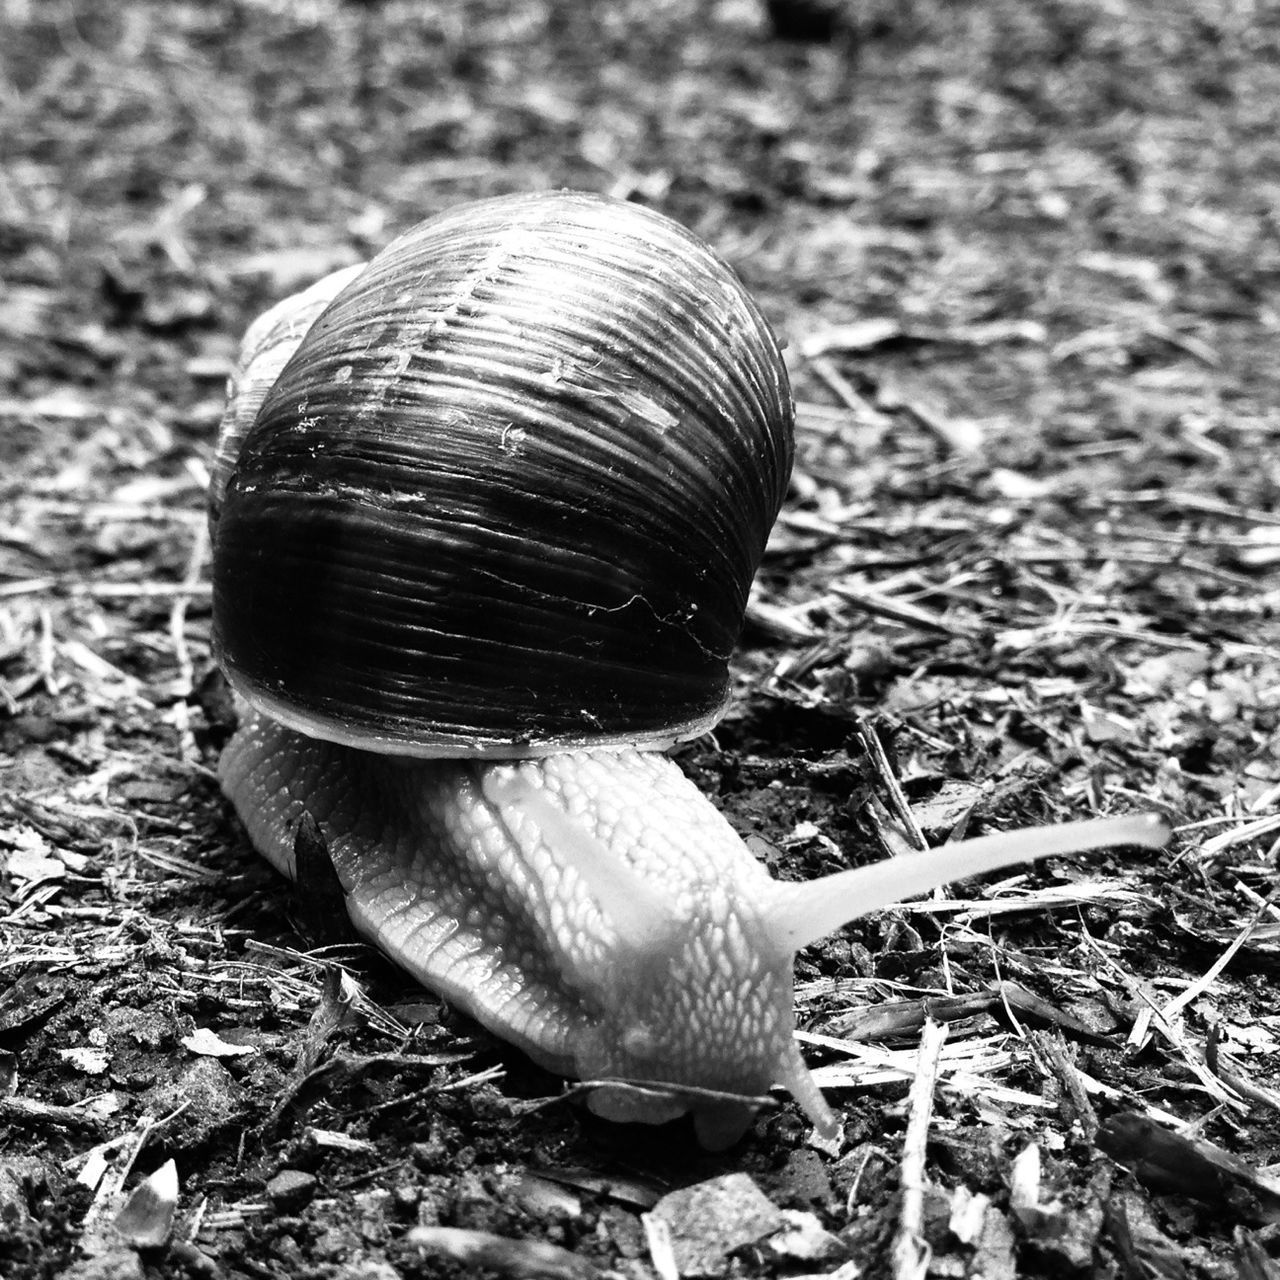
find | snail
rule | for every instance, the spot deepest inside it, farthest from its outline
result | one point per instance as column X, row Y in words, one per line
column 485, row 514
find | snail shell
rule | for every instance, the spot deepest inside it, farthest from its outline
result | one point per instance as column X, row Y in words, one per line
column 509, row 493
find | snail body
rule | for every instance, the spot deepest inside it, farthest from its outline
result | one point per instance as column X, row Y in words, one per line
column 485, row 517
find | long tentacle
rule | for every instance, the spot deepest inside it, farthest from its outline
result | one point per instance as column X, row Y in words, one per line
column 803, row 913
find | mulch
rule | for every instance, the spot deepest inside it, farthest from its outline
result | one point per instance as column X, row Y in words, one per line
column 1025, row 260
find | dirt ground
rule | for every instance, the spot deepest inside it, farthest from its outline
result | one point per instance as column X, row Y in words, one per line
column 1025, row 259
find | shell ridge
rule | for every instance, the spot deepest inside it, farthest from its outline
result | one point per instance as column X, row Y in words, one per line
column 622, row 409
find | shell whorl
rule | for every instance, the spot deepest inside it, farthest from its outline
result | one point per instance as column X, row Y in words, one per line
column 509, row 493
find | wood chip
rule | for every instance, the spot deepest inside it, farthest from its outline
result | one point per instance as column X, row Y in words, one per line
column 505, row 1255
column 1171, row 1162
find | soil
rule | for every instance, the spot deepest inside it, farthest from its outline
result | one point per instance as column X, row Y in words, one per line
column 1025, row 260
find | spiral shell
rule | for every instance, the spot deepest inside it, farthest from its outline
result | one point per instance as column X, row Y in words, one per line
column 509, row 493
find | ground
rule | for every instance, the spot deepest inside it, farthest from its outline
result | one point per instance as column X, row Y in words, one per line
column 1025, row 260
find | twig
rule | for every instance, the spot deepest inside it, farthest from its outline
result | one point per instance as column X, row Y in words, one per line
column 1053, row 1052
column 1206, row 979
column 1212, row 1085
column 911, row 1253
column 519, row 1259
column 848, row 395
column 44, row 662
column 878, row 604
column 879, row 760
column 1266, row 906
column 1238, row 835
column 1024, row 639
column 103, row 590
column 1229, row 1072
column 1180, row 500
column 29, row 1112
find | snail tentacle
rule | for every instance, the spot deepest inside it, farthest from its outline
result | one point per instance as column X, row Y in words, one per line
column 803, row 913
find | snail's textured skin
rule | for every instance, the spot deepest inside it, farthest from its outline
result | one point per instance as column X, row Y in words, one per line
column 472, row 897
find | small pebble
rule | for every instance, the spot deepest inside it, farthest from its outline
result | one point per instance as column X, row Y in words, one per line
column 291, row 1190
column 711, row 1219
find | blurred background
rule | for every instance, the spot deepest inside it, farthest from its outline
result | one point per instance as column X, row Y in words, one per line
column 1102, row 167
